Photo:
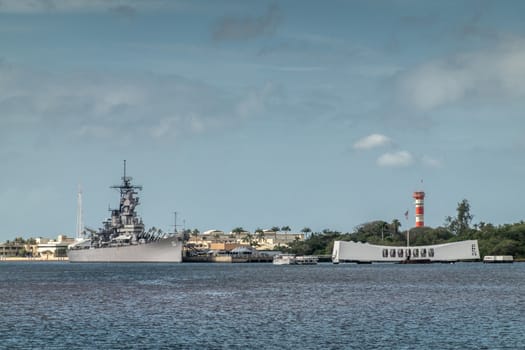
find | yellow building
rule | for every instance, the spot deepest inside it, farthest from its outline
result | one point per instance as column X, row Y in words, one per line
column 218, row 240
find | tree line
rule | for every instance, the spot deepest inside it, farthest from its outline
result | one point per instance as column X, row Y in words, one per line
column 507, row 239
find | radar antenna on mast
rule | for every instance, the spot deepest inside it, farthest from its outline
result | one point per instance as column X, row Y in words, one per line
column 126, row 183
column 124, row 178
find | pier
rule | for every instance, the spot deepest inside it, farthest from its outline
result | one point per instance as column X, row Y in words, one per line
column 227, row 259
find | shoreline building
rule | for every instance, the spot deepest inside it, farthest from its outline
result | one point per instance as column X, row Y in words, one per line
column 219, row 240
column 39, row 248
column 359, row 252
column 49, row 248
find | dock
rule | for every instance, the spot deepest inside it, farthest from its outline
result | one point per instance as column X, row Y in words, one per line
column 227, row 259
column 495, row 259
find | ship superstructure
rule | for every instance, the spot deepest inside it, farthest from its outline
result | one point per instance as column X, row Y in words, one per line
column 123, row 237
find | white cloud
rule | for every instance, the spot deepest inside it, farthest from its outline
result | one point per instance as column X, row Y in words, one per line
column 486, row 74
column 164, row 127
column 371, row 141
column 431, row 162
column 395, row 159
column 99, row 132
column 116, row 6
column 435, row 84
column 254, row 101
column 30, row 6
column 102, row 106
column 299, row 69
column 170, row 127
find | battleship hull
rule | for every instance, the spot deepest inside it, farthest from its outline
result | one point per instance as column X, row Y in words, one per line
column 164, row 250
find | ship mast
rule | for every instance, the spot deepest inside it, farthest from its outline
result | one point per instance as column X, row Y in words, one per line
column 80, row 224
column 126, row 215
column 126, row 183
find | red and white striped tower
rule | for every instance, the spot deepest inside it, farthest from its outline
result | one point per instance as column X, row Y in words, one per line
column 419, row 197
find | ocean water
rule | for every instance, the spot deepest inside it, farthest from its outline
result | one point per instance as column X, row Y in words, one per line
column 261, row 306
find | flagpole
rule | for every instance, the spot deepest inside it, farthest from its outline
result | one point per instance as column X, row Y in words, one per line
column 408, row 229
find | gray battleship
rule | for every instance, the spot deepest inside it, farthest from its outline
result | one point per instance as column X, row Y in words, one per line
column 123, row 237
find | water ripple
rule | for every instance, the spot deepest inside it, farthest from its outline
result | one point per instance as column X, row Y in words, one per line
column 239, row 306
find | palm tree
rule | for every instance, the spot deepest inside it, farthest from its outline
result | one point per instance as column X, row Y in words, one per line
column 286, row 229
column 19, row 240
column 186, row 234
column 237, row 231
column 396, row 224
column 383, row 225
column 306, row 231
column 275, row 229
column 195, row 233
column 259, row 235
column 248, row 238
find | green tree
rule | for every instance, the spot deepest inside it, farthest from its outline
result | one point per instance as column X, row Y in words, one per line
column 195, row 233
column 186, row 235
column 259, row 235
column 286, row 229
column 19, row 240
column 461, row 223
column 306, row 231
column 506, row 247
column 275, row 230
column 384, row 227
column 248, row 238
column 237, row 231
column 396, row 224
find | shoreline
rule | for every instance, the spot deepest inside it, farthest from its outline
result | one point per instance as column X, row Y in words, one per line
column 39, row 259
column 185, row 260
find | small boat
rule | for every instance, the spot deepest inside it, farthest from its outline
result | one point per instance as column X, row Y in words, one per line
column 495, row 259
column 284, row 259
column 292, row 259
column 306, row 260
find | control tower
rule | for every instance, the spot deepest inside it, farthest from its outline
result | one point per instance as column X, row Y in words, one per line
column 419, row 197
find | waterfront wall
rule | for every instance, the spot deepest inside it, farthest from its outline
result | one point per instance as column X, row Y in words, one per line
column 24, row 259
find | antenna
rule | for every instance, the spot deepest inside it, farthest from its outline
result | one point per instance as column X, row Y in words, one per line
column 80, row 224
column 126, row 183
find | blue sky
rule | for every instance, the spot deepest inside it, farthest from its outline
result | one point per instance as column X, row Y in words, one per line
column 325, row 114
